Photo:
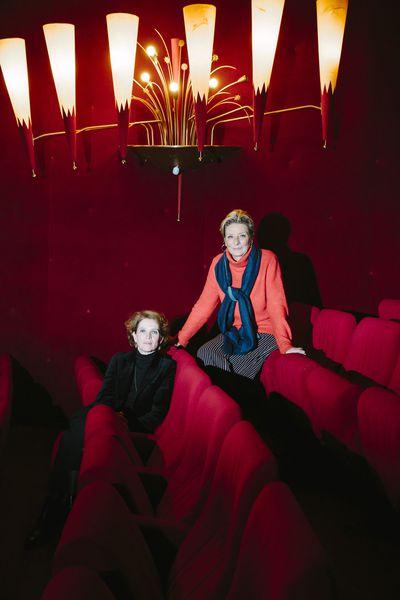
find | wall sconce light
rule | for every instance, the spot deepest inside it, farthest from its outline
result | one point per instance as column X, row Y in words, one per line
column 122, row 38
column 199, row 26
column 15, row 72
column 266, row 16
column 331, row 21
column 60, row 42
column 181, row 101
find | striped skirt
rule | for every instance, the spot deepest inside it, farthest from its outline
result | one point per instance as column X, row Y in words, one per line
column 248, row 365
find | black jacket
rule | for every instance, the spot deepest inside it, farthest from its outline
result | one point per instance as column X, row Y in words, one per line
column 152, row 400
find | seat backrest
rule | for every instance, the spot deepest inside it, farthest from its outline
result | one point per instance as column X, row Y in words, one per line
column 204, row 564
column 190, row 382
column 394, row 383
column 181, row 356
column 79, row 583
column 100, row 534
column 379, row 428
column 332, row 333
column 280, row 556
column 389, row 309
column 90, row 390
column 374, row 348
column 213, row 417
column 85, row 370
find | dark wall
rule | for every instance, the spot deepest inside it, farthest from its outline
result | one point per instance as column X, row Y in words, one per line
column 80, row 250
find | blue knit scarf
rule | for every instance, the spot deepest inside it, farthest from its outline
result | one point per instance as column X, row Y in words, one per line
column 238, row 341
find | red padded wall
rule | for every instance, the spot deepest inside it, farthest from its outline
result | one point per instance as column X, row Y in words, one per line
column 80, row 250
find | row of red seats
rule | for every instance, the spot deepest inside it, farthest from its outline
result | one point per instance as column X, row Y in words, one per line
column 349, row 386
column 5, row 397
column 193, row 511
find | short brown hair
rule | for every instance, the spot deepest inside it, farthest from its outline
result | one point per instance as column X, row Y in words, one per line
column 132, row 323
column 237, row 216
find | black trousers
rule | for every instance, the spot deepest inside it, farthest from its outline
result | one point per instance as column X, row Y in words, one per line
column 69, row 455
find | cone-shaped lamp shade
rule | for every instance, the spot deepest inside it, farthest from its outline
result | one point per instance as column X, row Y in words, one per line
column 266, row 18
column 199, row 27
column 15, row 72
column 331, row 21
column 122, row 38
column 60, row 42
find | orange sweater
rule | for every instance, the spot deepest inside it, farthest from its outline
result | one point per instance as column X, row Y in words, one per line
column 267, row 297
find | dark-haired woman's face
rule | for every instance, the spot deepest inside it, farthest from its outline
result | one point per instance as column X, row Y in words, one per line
column 147, row 336
column 237, row 239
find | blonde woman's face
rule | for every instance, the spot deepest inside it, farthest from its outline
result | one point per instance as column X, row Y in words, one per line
column 147, row 336
column 237, row 239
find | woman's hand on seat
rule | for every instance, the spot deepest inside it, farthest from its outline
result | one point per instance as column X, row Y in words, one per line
column 294, row 350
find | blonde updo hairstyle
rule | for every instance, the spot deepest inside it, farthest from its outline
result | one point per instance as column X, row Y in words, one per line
column 132, row 323
column 238, row 216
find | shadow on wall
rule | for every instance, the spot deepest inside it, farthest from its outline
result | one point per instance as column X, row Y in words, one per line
column 32, row 404
column 298, row 273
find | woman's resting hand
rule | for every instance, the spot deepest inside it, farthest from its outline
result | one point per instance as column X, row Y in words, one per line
column 295, row 351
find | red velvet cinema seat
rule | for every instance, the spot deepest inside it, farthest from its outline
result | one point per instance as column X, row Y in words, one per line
column 165, row 445
column 102, row 534
column 90, row 390
column 287, row 374
column 190, row 382
column 394, row 383
column 379, row 426
column 374, row 350
column 371, row 358
column 188, row 485
column 5, row 397
column 331, row 336
column 181, row 356
column 389, row 309
column 88, row 379
column 333, row 405
column 77, row 583
column 280, row 558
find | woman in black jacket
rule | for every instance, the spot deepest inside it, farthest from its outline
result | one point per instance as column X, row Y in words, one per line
column 138, row 386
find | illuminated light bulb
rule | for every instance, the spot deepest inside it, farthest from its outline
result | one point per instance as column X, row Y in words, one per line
column 173, row 87
column 145, row 77
column 167, row 60
column 15, row 72
column 151, row 51
column 176, row 170
column 60, row 42
column 199, row 27
column 181, row 43
column 215, row 57
column 266, row 22
column 331, row 21
column 122, row 31
column 184, row 67
column 213, row 83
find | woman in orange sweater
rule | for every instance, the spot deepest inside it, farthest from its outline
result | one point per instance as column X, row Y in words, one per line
column 252, row 316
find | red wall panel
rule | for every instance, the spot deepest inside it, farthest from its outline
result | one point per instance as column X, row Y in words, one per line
column 80, row 250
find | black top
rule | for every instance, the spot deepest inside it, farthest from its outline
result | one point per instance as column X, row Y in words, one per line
column 145, row 405
column 142, row 364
